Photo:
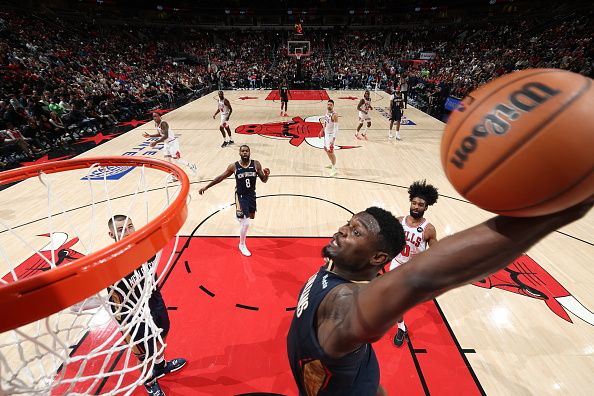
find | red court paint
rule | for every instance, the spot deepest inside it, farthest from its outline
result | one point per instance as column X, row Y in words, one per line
column 298, row 94
column 230, row 319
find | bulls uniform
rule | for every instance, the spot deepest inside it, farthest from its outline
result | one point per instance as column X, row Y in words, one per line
column 415, row 243
column 124, row 299
column 245, row 189
column 171, row 143
column 397, row 106
column 315, row 373
column 364, row 116
column 284, row 93
column 224, row 109
column 329, row 134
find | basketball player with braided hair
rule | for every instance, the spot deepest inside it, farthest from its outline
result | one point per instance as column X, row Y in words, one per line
column 418, row 232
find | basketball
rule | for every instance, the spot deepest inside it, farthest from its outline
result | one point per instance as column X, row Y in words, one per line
column 521, row 145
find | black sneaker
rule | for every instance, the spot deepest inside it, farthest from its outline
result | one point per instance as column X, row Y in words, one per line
column 230, row 142
column 399, row 337
column 153, row 388
column 224, row 144
column 170, row 367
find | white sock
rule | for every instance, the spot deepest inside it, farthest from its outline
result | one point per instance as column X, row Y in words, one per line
column 244, row 224
column 364, row 131
column 402, row 326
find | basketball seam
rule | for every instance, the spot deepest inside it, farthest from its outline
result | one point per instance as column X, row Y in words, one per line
column 487, row 97
column 520, row 144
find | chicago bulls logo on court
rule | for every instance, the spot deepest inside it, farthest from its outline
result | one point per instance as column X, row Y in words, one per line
column 296, row 131
column 525, row 277
column 38, row 262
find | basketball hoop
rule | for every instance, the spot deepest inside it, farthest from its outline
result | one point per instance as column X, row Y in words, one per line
column 38, row 331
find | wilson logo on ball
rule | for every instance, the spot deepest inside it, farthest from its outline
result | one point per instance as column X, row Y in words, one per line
column 498, row 121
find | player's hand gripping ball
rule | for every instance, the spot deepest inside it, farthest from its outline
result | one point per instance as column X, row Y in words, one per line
column 522, row 145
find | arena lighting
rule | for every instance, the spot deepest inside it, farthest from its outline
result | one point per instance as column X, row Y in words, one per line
column 227, row 12
column 492, row 2
column 160, row 7
column 290, row 12
column 352, row 12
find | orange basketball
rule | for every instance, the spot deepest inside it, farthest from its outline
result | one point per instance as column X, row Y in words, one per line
column 523, row 144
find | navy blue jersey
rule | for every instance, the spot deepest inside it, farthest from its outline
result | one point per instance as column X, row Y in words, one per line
column 316, row 374
column 397, row 102
column 245, row 179
column 284, row 92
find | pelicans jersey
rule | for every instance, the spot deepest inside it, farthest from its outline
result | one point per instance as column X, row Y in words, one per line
column 316, row 374
column 245, row 189
column 415, row 242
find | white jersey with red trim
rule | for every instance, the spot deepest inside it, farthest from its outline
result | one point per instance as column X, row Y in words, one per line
column 415, row 242
column 170, row 134
column 223, row 108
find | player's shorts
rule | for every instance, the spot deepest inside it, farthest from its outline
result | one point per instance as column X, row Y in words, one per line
column 224, row 121
column 146, row 347
column 364, row 117
column 284, row 98
column 245, row 204
column 329, row 139
column 396, row 114
column 171, row 149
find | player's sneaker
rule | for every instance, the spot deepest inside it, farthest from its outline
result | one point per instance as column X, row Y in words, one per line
column 193, row 169
column 170, row 367
column 230, row 142
column 399, row 337
column 332, row 172
column 364, row 136
column 286, row 115
column 398, row 137
column 390, row 136
column 153, row 388
column 224, row 144
column 244, row 250
column 358, row 137
column 281, row 113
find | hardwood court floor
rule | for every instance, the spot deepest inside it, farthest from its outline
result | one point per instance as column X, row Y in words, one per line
column 513, row 332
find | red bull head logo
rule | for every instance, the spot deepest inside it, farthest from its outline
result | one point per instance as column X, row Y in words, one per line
column 525, row 277
column 296, row 131
column 58, row 250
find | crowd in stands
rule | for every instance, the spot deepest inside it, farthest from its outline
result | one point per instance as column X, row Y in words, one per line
column 61, row 80
column 58, row 83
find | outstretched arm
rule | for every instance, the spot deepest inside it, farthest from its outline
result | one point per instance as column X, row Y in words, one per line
column 262, row 174
column 363, row 314
column 228, row 172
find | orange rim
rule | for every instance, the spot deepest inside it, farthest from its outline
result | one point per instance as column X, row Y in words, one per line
column 41, row 295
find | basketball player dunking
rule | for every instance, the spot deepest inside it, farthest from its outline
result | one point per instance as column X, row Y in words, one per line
column 246, row 173
column 418, row 233
column 170, row 143
column 396, row 107
column 123, row 300
column 364, row 107
column 345, row 307
column 283, row 93
column 329, row 132
column 224, row 107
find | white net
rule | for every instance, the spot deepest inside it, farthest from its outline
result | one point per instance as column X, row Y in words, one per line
column 108, row 343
